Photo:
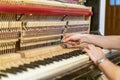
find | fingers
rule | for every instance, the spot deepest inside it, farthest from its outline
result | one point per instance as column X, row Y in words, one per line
column 72, row 39
column 91, row 47
column 66, row 38
column 94, row 52
column 87, row 51
column 73, row 43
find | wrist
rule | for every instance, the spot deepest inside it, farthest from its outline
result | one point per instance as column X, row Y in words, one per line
column 100, row 60
column 85, row 38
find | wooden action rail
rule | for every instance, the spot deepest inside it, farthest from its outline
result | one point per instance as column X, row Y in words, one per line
column 39, row 43
column 48, row 24
column 53, row 24
column 18, row 24
column 8, row 41
column 78, row 22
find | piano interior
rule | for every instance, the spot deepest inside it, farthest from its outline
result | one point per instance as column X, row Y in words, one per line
column 30, row 41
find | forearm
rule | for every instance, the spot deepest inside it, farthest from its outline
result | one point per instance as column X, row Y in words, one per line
column 111, row 70
column 109, row 42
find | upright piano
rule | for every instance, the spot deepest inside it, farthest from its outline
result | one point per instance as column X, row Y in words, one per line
column 30, row 40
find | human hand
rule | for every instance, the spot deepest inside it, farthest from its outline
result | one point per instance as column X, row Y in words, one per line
column 74, row 39
column 95, row 53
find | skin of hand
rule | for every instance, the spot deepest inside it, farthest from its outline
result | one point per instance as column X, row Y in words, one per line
column 107, row 67
column 73, row 39
column 95, row 53
column 99, row 40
